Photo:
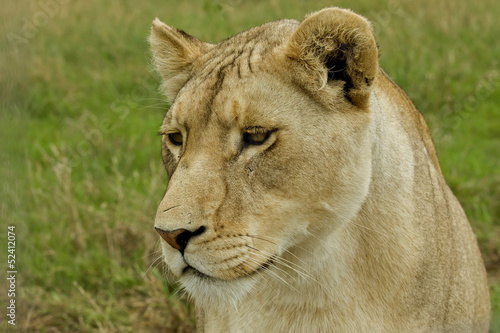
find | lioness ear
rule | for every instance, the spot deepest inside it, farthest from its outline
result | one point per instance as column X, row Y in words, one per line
column 337, row 44
column 174, row 51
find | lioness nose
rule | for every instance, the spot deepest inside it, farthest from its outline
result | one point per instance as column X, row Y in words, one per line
column 179, row 238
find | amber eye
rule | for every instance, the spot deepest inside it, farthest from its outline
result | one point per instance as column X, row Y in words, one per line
column 257, row 137
column 175, row 138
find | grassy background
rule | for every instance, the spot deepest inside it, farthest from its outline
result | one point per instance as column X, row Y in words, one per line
column 80, row 159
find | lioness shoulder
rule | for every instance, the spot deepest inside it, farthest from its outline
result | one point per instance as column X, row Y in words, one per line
column 305, row 194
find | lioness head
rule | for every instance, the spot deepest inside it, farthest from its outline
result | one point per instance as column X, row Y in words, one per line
column 266, row 145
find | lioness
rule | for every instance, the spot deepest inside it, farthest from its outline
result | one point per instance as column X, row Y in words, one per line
column 305, row 193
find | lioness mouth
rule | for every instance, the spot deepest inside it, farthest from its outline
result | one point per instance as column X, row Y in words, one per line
column 196, row 272
column 202, row 275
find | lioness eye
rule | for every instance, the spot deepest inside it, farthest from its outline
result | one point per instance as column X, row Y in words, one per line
column 256, row 138
column 175, row 138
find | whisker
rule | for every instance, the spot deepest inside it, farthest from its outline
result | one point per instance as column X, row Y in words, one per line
column 301, row 272
column 284, row 281
column 287, row 251
column 178, row 292
column 261, row 238
column 274, row 258
column 252, row 260
column 276, row 267
column 151, row 254
column 152, row 107
column 293, row 266
column 155, row 263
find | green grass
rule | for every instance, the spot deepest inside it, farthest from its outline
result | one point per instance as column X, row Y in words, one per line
column 81, row 169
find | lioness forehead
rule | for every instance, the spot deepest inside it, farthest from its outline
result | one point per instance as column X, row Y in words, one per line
column 242, row 52
column 238, row 59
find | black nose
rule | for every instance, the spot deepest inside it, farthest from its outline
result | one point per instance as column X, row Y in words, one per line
column 179, row 238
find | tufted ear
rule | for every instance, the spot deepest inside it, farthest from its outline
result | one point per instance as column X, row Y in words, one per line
column 174, row 52
column 337, row 44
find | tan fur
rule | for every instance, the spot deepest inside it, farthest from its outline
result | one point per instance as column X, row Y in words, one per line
column 341, row 221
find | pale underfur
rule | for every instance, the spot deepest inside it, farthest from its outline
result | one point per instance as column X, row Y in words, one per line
column 341, row 220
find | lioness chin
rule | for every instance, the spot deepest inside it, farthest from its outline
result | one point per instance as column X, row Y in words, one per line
column 305, row 194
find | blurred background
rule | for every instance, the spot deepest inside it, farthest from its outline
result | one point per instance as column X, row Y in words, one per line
column 81, row 172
